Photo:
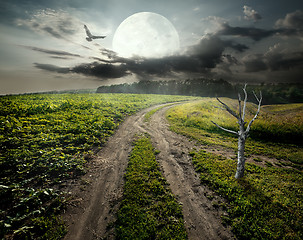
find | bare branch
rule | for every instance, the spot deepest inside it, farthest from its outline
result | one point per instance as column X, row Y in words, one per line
column 227, row 130
column 258, row 111
column 245, row 100
column 228, row 109
column 257, row 96
column 239, row 99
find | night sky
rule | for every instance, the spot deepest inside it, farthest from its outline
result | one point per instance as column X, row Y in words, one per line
column 43, row 45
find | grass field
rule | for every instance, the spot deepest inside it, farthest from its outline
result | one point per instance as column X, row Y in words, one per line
column 148, row 210
column 48, row 138
column 267, row 203
column 276, row 133
column 45, row 139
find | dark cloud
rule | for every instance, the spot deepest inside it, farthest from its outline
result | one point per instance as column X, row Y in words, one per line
column 292, row 24
column 101, row 70
column 58, row 57
column 210, row 49
column 237, row 46
column 276, row 59
column 223, row 69
column 230, row 59
column 251, row 14
column 255, row 63
column 52, row 52
column 256, row 34
column 208, row 56
column 200, row 58
column 51, row 68
column 109, row 53
column 285, row 61
column 95, row 69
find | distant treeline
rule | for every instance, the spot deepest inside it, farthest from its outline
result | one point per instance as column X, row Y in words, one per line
column 272, row 93
column 72, row 91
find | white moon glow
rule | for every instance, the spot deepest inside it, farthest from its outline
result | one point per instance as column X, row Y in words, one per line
column 146, row 34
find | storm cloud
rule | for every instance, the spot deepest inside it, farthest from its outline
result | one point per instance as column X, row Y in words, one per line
column 277, row 58
column 219, row 46
column 101, row 70
column 292, row 24
column 209, row 56
column 199, row 58
column 256, row 34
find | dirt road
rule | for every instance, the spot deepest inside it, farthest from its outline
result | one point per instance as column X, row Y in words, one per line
column 94, row 204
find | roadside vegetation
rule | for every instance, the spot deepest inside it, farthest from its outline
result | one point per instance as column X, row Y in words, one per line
column 276, row 133
column 148, row 210
column 267, row 203
column 46, row 139
column 148, row 115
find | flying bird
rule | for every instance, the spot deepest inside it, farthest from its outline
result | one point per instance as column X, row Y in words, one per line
column 90, row 37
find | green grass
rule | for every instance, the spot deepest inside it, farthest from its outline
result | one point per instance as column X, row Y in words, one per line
column 276, row 133
column 46, row 139
column 265, row 204
column 148, row 209
column 150, row 113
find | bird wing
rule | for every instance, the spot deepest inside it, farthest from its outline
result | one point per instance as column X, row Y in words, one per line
column 88, row 32
column 94, row 37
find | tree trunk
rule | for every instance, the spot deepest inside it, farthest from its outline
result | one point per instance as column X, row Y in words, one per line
column 241, row 158
column 242, row 133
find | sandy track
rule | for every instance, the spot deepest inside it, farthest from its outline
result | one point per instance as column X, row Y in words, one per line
column 94, row 207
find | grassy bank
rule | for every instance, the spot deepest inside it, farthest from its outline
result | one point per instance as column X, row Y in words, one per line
column 148, row 210
column 267, row 203
column 276, row 133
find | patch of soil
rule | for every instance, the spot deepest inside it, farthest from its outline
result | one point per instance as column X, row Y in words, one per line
column 96, row 197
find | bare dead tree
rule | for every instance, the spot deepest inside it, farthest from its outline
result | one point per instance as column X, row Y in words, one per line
column 242, row 133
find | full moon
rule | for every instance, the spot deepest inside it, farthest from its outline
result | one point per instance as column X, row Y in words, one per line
column 146, row 34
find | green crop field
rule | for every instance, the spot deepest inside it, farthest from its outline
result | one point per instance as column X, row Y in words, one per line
column 45, row 139
column 268, row 202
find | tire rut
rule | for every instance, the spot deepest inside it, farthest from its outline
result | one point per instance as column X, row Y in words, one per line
column 90, row 217
column 202, row 220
